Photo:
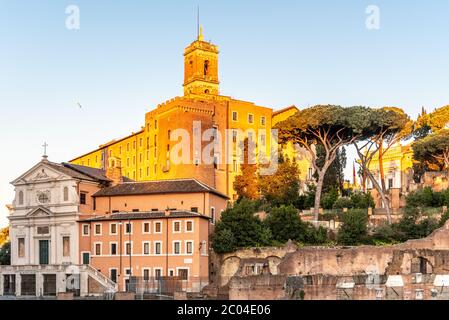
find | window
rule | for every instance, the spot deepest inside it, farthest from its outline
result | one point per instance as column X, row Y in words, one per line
column 85, row 229
column 113, row 249
column 128, row 228
column 215, row 161
column 235, row 166
column 98, row 249
column 140, row 142
column 176, row 247
column 194, row 209
column 183, row 274
column 206, row 67
column 113, row 228
column 204, row 248
column 250, row 136
column 128, row 248
column 110, row 154
column 134, row 160
column 127, row 271
column 146, row 227
column 120, row 150
column 189, row 226
column 176, row 226
column 66, row 246
column 146, row 274
column 20, row 197
column 148, row 143
column 21, row 247
column 171, row 272
column 127, row 146
column 136, row 210
column 390, row 183
column 127, row 162
column 158, row 247
column 155, row 124
column 250, row 118
column 83, row 196
column 113, row 274
column 157, row 273
column 134, row 145
column 66, row 194
column 157, row 227
column 262, row 121
column 146, row 248
column 140, row 157
column 234, row 136
column 212, row 214
column 262, row 139
column 155, row 146
column 148, row 171
column 189, row 247
column 235, row 116
column 98, row 229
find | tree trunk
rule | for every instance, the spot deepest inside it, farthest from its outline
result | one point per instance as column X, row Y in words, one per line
column 319, row 189
column 383, row 195
column 385, row 200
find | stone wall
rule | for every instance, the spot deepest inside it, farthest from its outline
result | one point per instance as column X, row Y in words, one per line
column 416, row 269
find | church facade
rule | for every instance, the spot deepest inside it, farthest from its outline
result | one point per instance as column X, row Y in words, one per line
column 214, row 127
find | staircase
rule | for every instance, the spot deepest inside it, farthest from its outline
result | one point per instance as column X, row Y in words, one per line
column 109, row 285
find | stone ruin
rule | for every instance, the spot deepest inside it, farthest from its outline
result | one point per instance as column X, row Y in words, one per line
column 413, row 270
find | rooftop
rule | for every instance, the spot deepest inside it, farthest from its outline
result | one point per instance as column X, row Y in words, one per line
column 145, row 215
column 158, row 187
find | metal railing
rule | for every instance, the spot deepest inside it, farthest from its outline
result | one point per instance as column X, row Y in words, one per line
column 166, row 286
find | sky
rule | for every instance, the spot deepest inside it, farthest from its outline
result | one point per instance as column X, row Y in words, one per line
column 127, row 56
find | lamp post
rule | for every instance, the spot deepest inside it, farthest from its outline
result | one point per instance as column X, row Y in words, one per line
column 120, row 272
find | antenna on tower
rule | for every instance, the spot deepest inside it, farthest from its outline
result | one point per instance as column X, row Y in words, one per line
column 198, row 22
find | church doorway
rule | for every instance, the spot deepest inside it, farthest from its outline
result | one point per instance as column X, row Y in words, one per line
column 9, row 284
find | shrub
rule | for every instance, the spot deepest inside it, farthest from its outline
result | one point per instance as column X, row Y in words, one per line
column 285, row 224
column 354, row 228
column 343, row 202
column 328, row 199
column 362, row 200
column 424, row 198
column 247, row 230
column 5, row 254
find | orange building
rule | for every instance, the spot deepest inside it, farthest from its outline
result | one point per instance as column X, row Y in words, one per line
column 205, row 118
column 151, row 232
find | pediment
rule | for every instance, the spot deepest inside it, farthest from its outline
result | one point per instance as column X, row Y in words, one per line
column 39, row 212
column 40, row 173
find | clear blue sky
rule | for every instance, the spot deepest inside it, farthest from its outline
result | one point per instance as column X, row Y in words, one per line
column 127, row 57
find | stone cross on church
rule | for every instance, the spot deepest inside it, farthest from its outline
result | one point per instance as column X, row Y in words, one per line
column 45, row 145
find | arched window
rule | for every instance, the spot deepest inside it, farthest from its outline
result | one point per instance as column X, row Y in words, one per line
column 206, row 67
column 20, row 197
column 66, row 194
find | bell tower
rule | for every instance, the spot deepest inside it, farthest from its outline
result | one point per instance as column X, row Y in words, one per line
column 201, row 67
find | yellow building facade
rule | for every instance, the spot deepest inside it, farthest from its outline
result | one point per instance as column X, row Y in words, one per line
column 398, row 171
column 202, row 115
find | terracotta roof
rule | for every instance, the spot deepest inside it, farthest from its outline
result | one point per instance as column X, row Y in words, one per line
column 157, row 187
column 145, row 215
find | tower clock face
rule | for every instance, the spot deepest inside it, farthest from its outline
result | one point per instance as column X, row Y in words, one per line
column 43, row 196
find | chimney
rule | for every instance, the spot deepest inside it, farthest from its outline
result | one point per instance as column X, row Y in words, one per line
column 167, row 212
column 114, row 171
